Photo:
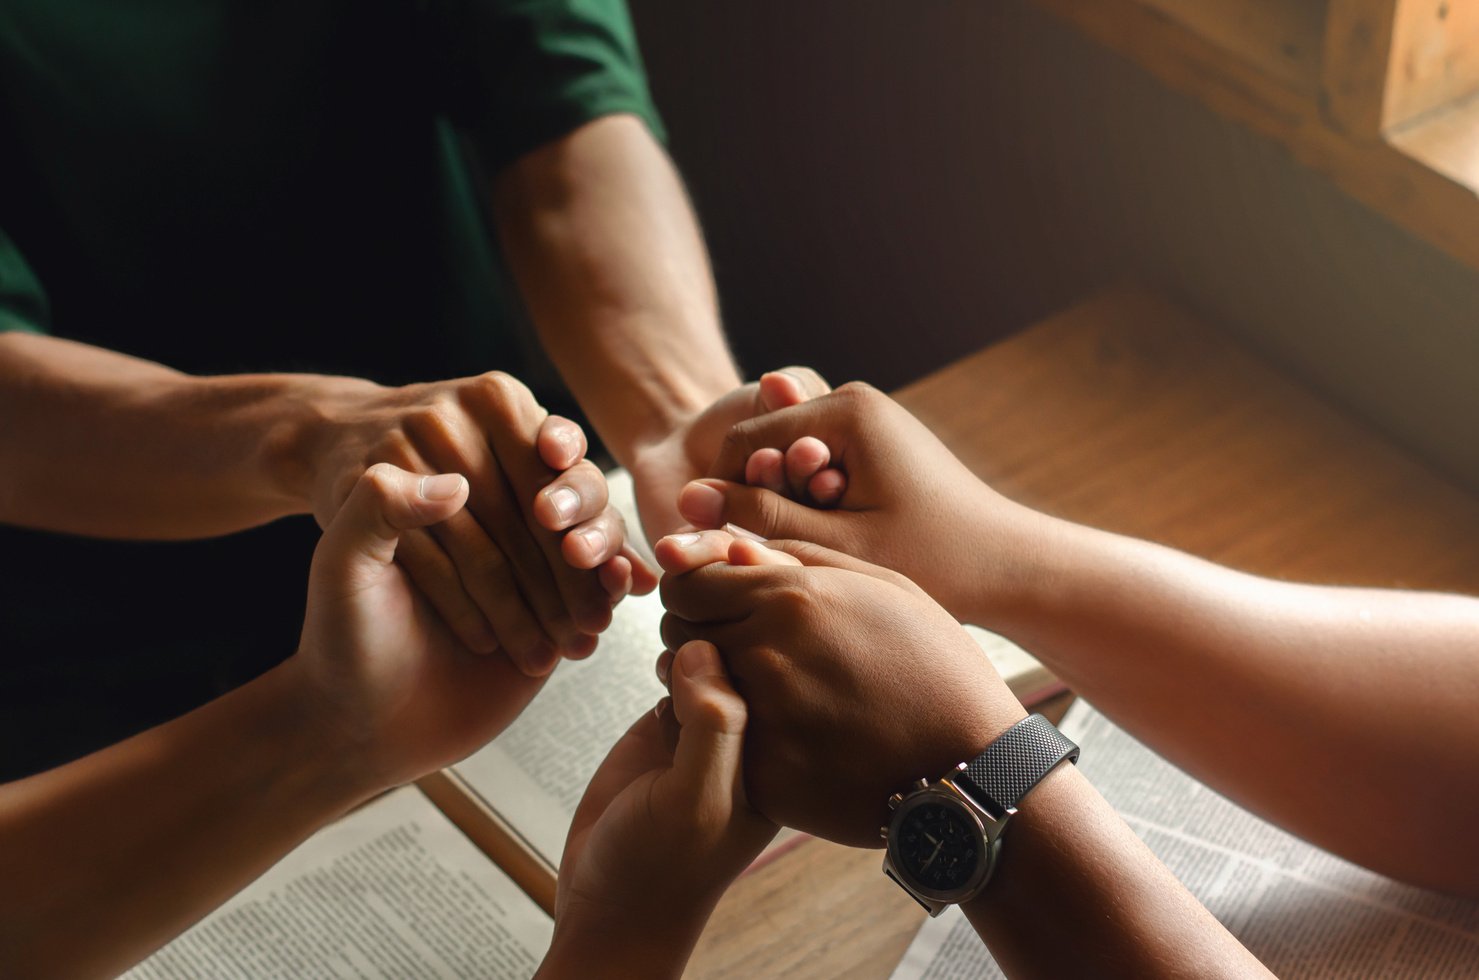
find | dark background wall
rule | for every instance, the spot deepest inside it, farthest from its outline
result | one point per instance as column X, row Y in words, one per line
column 888, row 185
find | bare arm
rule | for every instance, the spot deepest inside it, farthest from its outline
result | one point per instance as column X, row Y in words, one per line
column 1344, row 715
column 1328, row 710
column 187, row 457
column 611, row 263
column 882, row 687
column 609, row 258
column 129, row 846
column 76, row 415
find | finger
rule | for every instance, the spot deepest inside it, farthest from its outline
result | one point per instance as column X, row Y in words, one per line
column 791, row 386
column 834, row 419
column 676, row 631
column 568, row 600
column 667, row 721
column 805, row 458
column 717, row 593
column 578, row 494
column 664, row 667
column 714, row 503
column 616, row 577
column 644, row 579
column 815, row 556
column 711, row 717
column 767, row 468
column 591, row 544
column 490, row 545
column 827, row 487
column 385, row 501
column 436, row 578
column 747, row 552
column 679, row 553
column 561, row 442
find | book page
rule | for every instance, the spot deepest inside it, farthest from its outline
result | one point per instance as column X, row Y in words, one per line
column 391, row 890
column 1303, row 912
column 535, row 772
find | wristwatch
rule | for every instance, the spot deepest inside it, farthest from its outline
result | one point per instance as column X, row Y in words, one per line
column 944, row 838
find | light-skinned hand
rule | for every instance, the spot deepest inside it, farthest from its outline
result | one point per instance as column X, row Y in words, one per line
column 857, row 682
column 662, row 467
column 662, row 831
column 889, row 492
column 535, row 562
column 377, row 666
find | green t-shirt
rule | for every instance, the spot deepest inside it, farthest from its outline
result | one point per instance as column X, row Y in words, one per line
column 251, row 185
column 228, row 186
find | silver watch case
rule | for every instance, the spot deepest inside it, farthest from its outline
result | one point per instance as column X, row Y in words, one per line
column 990, row 826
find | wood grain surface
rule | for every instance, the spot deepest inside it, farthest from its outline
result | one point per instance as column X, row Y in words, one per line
column 1128, row 414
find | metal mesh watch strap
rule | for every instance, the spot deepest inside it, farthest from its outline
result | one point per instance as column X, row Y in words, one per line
column 1010, row 766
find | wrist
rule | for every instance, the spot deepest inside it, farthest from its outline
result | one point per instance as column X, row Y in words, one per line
column 1017, row 559
column 656, row 420
column 327, row 758
column 624, row 942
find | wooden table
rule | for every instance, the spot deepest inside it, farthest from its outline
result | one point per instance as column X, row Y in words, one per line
column 1128, row 414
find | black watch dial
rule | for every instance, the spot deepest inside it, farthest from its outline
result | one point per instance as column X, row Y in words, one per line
column 937, row 845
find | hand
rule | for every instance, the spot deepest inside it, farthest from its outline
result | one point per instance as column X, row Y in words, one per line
column 662, row 831
column 661, row 468
column 897, row 497
column 537, row 559
column 857, row 682
column 385, row 675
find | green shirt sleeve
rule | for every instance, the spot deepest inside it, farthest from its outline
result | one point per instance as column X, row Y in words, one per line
column 23, row 304
column 515, row 74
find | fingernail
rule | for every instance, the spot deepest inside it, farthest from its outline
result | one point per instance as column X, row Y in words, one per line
column 685, row 540
column 664, row 668
column 566, row 503
column 661, row 706
column 700, row 660
column 595, row 540
column 702, row 504
column 734, row 530
column 443, row 487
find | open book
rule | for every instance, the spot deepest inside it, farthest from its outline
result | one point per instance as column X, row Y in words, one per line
column 520, row 791
column 391, row 890
column 456, row 877
column 1303, row 912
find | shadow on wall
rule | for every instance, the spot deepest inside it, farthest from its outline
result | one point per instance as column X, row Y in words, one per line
column 887, row 186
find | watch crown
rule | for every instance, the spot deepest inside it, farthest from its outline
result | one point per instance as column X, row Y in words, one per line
column 895, row 800
column 883, row 832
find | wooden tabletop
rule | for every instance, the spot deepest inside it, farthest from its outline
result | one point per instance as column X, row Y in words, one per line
column 1128, row 414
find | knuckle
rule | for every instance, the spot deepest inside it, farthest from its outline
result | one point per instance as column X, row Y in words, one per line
column 439, row 421
column 765, row 512
column 860, row 392
column 502, row 393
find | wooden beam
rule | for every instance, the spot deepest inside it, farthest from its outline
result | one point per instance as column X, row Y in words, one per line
column 1434, row 59
column 1358, row 51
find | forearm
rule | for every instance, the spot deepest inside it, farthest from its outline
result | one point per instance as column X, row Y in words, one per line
column 1078, row 894
column 181, row 456
column 1324, row 709
column 612, row 267
column 131, row 845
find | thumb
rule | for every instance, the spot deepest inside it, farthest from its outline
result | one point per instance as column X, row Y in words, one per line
column 711, row 503
column 790, row 386
column 711, row 717
column 816, row 556
column 384, row 502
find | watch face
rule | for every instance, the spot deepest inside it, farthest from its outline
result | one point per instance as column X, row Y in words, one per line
column 937, row 845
